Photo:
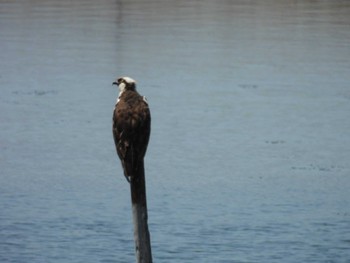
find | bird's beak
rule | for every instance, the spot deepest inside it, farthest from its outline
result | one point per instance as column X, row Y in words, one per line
column 115, row 83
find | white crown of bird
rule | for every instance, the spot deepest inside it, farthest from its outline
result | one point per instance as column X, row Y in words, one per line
column 128, row 80
column 123, row 82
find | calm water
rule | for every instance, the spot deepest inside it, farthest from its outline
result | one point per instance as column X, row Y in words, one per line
column 249, row 153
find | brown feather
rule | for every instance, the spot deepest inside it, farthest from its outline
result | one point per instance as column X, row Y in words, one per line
column 131, row 130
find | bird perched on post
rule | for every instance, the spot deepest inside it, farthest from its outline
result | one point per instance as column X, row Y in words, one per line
column 131, row 127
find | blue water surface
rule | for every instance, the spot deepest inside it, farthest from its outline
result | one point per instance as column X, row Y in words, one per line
column 249, row 153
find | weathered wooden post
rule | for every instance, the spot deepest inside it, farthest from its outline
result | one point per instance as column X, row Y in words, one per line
column 140, row 217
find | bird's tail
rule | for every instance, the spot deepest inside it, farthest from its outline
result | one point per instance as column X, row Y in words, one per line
column 132, row 166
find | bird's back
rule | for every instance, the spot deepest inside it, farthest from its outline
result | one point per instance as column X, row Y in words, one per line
column 131, row 129
column 131, row 112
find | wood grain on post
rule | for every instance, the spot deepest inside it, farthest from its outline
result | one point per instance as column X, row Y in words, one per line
column 140, row 218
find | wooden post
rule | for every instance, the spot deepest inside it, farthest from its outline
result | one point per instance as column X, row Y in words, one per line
column 139, row 213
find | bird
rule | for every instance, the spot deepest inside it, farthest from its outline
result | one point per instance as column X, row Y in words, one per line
column 131, row 127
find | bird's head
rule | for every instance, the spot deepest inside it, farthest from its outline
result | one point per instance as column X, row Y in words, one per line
column 125, row 83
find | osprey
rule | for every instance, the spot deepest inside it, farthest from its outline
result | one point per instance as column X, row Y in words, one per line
column 131, row 127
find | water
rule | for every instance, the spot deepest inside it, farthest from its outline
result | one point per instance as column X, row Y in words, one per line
column 248, row 158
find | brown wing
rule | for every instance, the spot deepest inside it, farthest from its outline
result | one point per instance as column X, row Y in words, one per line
column 131, row 131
